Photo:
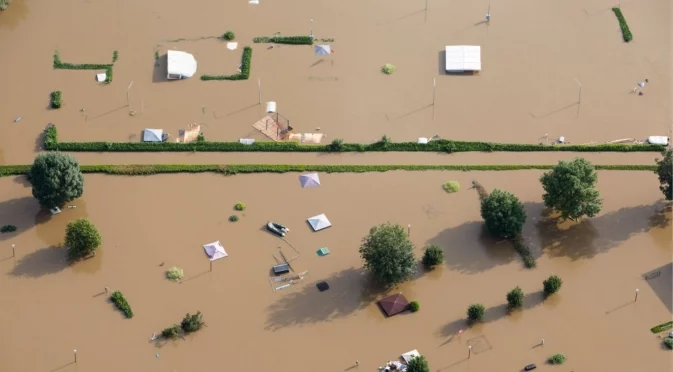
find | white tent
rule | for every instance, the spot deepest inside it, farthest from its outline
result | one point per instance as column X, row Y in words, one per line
column 181, row 65
column 152, row 135
column 461, row 58
column 323, row 50
column 319, row 222
column 215, row 250
column 409, row 355
column 309, row 180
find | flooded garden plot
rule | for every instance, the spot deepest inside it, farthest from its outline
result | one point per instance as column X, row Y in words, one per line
column 531, row 56
column 151, row 224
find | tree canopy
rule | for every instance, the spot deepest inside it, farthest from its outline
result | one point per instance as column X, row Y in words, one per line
column 665, row 173
column 56, row 179
column 82, row 238
column 388, row 254
column 503, row 213
column 418, row 364
column 570, row 189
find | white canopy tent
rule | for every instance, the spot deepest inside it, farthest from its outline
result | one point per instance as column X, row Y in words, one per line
column 462, row 58
column 319, row 222
column 153, row 135
column 409, row 355
column 309, row 180
column 215, row 250
column 323, row 50
column 181, row 65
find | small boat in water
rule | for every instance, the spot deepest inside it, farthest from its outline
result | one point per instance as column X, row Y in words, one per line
column 277, row 228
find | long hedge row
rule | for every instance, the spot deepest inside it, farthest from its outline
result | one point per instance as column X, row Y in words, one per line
column 51, row 143
column 246, row 61
column 291, row 40
column 626, row 31
column 58, row 64
column 232, row 169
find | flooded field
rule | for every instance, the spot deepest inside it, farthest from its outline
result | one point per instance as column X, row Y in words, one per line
column 156, row 222
column 532, row 52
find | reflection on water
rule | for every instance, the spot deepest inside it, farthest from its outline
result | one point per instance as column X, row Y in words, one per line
column 17, row 12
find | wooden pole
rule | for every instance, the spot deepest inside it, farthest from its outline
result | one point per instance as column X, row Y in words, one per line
column 127, row 94
column 75, row 353
column 426, row 11
column 259, row 90
column 434, row 94
column 579, row 97
column 211, row 266
column 636, row 299
column 13, row 251
column 469, row 352
column 488, row 15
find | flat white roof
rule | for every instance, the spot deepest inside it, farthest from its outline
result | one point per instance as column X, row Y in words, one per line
column 181, row 63
column 461, row 58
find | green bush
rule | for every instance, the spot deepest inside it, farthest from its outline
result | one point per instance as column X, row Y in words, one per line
column 388, row 68
column 665, row 174
column 662, row 327
column 171, row 332
column 240, row 206
column 292, row 40
column 503, row 214
column 58, row 64
column 192, row 323
column 200, row 138
column 229, row 36
column 52, row 144
column 82, row 238
column 524, row 251
column 56, row 179
column 557, row 358
column 418, row 364
column 337, row 145
column 414, row 306
column 515, row 298
column 551, row 285
column 233, row 218
column 451, row 186
column 433, row 256
column 475, row 312
column 118, row 299
column 7, row 229
column 570, row 189
column 246, row 61
column 55, row 101
column 668, row 342
column 115, row 56
column 175, row 273
column 388, row 254
column 4, row 4
column 626, row 32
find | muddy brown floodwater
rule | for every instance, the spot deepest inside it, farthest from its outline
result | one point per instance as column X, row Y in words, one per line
column 532, row 52
column 51, row 308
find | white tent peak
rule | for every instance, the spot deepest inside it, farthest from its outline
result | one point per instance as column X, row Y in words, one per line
column 215, row 250
column 181, row 65
column 153, row 135
column 319, row 222
column 309, row 180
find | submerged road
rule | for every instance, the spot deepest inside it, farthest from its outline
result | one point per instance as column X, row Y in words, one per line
column 370, row 158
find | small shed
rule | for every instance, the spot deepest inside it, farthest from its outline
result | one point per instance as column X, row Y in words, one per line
column 463, row 58
column 180, row 65
column 394, row 304
column 215, row 250
column 319, row 222
column 153, row 135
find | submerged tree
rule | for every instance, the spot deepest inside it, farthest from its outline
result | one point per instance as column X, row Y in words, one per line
column 82, row 238
column 570, row 189
column 418, row 364
column 56, row 179
column 665, row 173
column 388, row 254
column 503, row 213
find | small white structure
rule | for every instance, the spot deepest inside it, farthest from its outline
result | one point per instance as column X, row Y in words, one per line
column 319, row 222
column 101, row 77
column 232, row 45
column 246, row 141
column 423, row 140
column 153, row 135
column 181, row 65
column 409, row 355
column 658, row 140
column 323, row 50
column 463, row 58
column 215, row 250
column 309, row 180
column 270, row 107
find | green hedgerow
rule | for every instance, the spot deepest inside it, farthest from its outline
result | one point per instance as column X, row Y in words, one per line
column 475, row 312
column 244, row 74
column 291, row 40
column 337, row 145
column 414, row 306
column 626, row 32
column 7, row 229
column 662, row 327
column 118, row 299
column 557, row 358
column 240, row 206
column 451, row 186
column 433, row 256
column 175, row 273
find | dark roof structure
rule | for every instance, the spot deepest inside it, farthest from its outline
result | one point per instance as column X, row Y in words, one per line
column 394, row 304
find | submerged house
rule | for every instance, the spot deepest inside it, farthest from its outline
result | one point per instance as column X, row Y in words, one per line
column 180, row 65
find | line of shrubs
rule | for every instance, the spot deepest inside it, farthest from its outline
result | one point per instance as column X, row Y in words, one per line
column 58, row 64
column 55, row 101
column 190, row 323
column 118, row 299
column 232, row 169
column 244, row 74
column 662, row 327
column 626, row 32
column 291, row 40
column 51, row 143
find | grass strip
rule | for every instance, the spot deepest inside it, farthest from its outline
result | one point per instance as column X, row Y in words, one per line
column 626, row 32
column 118, row 299
column 246, row 61
column 662, row 327
column 232, row 169
column 291, row 40
column 51, row 143
column 58, row 64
